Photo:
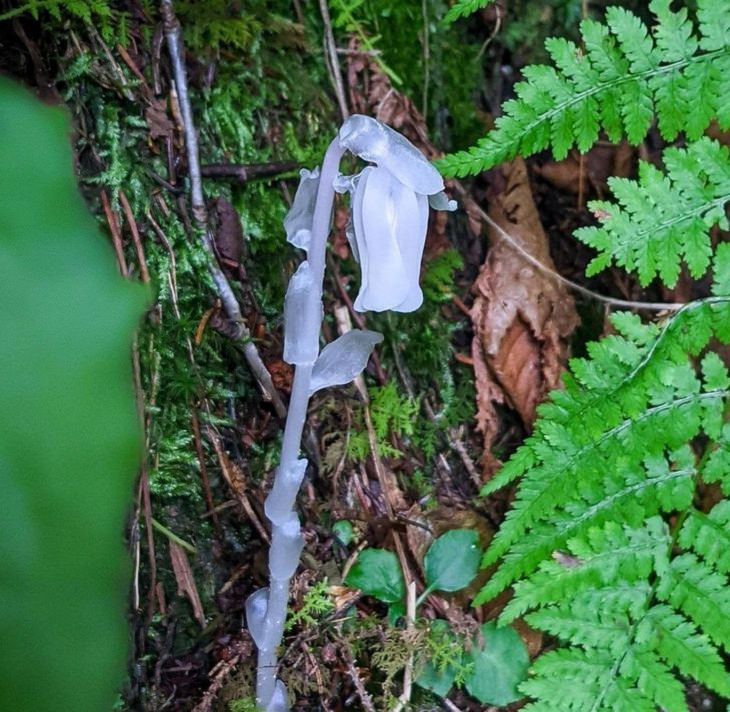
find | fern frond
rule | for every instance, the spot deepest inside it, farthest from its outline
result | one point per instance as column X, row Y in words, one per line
column 663, row 219
column 625, row 637
column 569, row 679
column 700, row 593
column 709, row 535
column 606, row 553
column 681, row 646
column 623, row 76
column 585, row 545
column 598, row 443
column 463, row 8
column 654, row 679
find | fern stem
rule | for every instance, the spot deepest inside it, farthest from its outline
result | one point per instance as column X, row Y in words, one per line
column 589, row 293
column 575, row 99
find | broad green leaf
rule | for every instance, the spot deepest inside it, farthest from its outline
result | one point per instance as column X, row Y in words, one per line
column 452, row 561
column 500, row 664
column 377, row 573
column 69, row 439
column 437, row 681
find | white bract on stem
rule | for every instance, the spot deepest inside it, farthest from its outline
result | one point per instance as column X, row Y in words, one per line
column 390, row 199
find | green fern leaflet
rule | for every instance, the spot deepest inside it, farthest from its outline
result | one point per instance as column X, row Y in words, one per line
column 622, row 76
column 463, row 8
column 664, row 219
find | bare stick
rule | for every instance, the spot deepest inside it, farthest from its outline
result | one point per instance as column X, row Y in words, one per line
column 405, row 697
column 116, row 232
column 200, row 213
column 243, row 174
column 127, row 208
column 334, row 61
column 622, row 303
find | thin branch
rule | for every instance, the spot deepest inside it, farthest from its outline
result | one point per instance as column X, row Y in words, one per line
column 405, row 698
column 200, row 213
column 334, row 61
column 621, row 303
column 141, row 259
column 116, row 232
column 243, row 174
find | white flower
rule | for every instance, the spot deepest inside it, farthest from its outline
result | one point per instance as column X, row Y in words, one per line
column 389, row 212
column 390, row 204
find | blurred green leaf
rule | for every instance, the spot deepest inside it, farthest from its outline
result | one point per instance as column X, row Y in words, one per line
column 452, row 561
column 344, row 532
column 500, row 664
column 69, row 440
column 377, row 573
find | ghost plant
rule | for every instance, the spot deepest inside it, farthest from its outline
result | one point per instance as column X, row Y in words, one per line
column 390, row 199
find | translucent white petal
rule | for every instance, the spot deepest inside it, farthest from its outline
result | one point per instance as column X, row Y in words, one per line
column 345, row 184
column 411, row 235
column 377, row 143
column 384, row 283
column 303, row 313
column 358, row 230
column 344, row 359
column 298, row 222
column 280, row 502
column 440, row 201
column 286, row 547
column 256, row 606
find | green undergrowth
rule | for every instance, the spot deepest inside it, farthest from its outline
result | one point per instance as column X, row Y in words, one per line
column 613, row 542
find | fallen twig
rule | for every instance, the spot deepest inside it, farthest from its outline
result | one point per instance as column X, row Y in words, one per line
column 116, row 232
column 405, row 698
column 127, row 208
column 333, row 59
column 462, row 192
column 200, row 213
column 243, row 174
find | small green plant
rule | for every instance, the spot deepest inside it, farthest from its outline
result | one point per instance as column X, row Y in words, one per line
column 463, row 8
column 392, row 414
column 245, row 705
column 488, row 667
column 112, row 23
column 317, row 603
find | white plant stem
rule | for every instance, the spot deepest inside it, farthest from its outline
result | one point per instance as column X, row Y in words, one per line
column 279, row 588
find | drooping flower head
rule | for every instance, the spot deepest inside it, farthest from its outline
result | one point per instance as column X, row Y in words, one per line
column 389, row 204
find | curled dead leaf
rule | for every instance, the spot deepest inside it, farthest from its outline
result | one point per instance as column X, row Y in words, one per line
column 522, row 316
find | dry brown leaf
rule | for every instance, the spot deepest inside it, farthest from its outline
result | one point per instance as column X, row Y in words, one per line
column 185, row 581
column 531, row 637
column 522, row 317
column 158, row 122
column 229, row 240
